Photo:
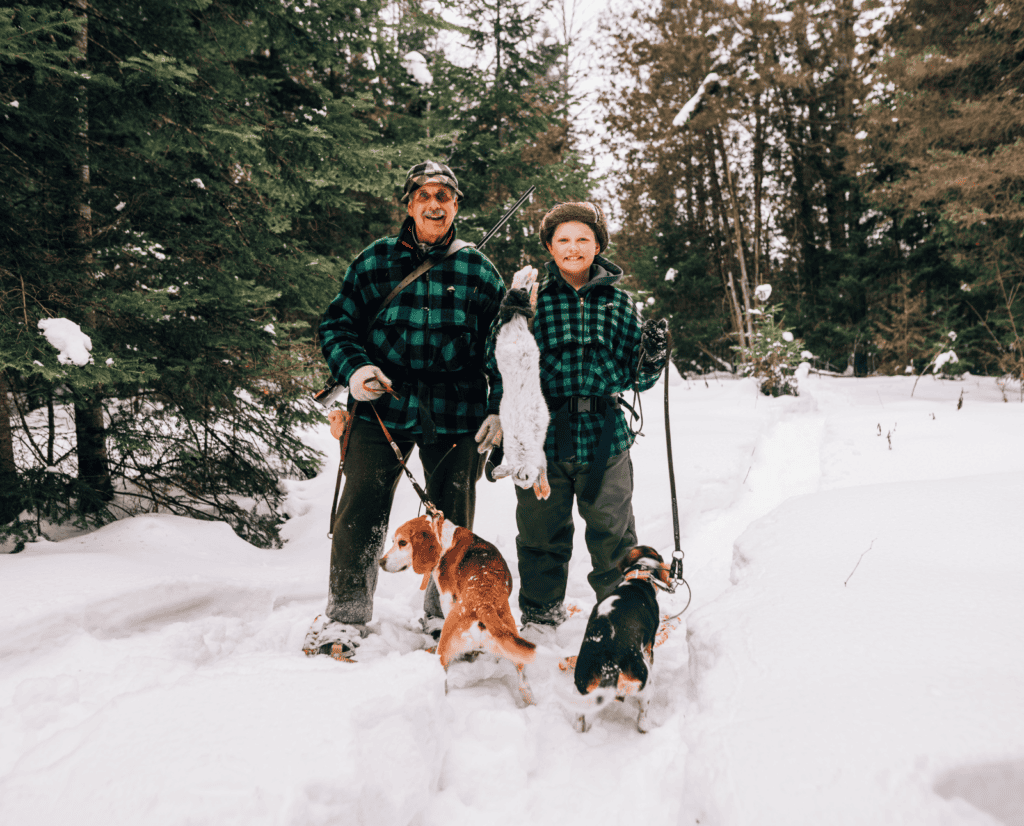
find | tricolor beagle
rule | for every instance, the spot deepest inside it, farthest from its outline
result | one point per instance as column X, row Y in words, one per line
column 617, row 653
column 474, row 583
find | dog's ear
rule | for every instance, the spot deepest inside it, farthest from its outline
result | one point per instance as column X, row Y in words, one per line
column 426, row 550
column 650, row 552
column 631, row 556
column 437, row 524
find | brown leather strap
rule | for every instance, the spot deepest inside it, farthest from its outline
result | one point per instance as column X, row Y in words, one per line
column 341, row 467
column 453, row 248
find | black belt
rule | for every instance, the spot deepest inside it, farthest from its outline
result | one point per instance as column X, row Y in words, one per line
column 564, row 408
column 423, row 379
column 591, row 404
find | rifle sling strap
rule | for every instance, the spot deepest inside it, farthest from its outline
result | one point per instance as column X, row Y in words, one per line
column 453, row 248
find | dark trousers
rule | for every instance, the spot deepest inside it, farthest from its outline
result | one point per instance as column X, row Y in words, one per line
column 544, row 543
column 451, row 466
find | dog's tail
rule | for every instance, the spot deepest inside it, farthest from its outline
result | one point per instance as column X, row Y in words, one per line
column 506, row 639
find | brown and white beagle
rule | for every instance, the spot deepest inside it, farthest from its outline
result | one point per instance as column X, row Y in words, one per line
column 474, row 583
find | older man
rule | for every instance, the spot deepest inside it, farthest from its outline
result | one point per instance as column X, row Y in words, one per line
column 418, row 361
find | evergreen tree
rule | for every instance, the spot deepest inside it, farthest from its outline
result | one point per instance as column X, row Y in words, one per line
column 223, row 142
column 507, row 114
column 732, row 121
column 944, row 148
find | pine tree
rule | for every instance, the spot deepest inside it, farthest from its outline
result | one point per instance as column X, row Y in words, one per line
column 221, row 139
column 732, row 121
column 945, row 148
column 507, row 115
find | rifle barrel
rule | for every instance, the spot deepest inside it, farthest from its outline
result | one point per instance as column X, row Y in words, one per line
column 505, row 218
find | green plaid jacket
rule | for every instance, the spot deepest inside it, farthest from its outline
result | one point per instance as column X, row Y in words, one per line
column 589, row 345
column 430, row 340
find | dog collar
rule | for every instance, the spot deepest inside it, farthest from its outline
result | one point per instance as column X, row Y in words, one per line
column 644, row 574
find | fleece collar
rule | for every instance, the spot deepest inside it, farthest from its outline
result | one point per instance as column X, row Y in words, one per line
column 602, row 272
column 407, row 240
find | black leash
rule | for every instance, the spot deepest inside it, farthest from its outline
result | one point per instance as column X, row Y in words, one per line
column 676, row 569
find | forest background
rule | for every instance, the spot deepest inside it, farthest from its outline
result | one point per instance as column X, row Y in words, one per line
column 187, row 180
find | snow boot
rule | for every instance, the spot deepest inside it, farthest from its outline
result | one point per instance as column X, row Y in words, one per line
column 432, row 626
column 540, row 624
column 336, row 639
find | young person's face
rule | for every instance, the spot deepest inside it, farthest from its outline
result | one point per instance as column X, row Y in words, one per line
column 432, row 207
column 573, row 246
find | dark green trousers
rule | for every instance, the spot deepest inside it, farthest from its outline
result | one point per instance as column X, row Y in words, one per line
column 451, row 467
column 544, row 543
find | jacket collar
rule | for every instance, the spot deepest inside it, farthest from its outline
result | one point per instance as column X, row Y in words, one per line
column 602, row 272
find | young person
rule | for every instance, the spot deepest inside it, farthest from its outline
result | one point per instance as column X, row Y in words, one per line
column 592, row 348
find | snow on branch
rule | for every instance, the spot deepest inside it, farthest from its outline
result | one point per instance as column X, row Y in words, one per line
column 67, row 337
column 416, row 65
column 691, row 105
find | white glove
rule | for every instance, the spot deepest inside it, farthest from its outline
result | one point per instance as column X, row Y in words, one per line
column 489, row 433
column 368, row 383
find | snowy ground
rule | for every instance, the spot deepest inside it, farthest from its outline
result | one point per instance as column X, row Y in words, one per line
column 853, row 653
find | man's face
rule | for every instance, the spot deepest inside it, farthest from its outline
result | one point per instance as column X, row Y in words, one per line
column 432, row 207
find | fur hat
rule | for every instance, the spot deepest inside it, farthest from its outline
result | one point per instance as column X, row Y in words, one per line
column 429, row 172
column 583, row 211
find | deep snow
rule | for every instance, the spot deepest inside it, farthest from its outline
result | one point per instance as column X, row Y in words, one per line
column 853, row 652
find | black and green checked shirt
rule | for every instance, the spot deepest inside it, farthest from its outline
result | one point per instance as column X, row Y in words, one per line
column 429, row 340
column 589, row 345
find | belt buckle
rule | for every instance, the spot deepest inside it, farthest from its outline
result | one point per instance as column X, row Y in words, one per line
column 583, row 404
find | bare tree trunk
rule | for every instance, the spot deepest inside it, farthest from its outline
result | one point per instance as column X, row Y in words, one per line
column 10, row 489
column 497, row 70
column 759, row 130
column 721, row 223
column 90, row 429
column 741, row 252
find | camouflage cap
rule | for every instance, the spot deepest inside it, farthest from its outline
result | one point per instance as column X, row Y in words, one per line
column 430, row 172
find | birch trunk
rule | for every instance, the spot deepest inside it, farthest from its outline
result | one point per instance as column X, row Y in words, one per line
column 741, row 254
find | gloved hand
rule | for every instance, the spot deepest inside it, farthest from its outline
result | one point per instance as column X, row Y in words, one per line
column 368, row 383
column 654, row 335
column 526, row 279
column 339, row 421
column 489, row 433
column 654, row 344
